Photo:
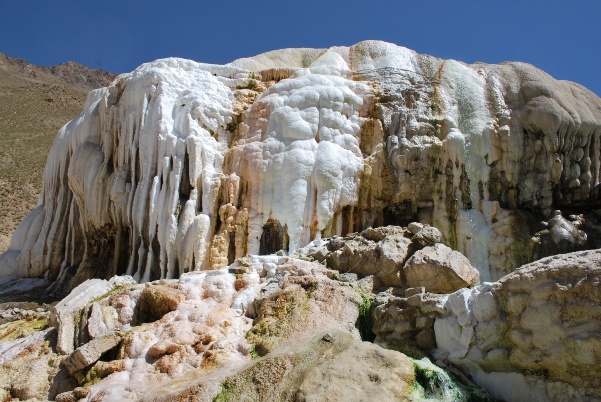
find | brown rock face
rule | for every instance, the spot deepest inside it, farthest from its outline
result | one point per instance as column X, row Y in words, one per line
column 380, row 252
column 406, row 323
column 440, row 270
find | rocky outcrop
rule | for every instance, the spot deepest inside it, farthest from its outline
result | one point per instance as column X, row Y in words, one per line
column 182, row 166
column 379, row 252
column 302, row 298
column 282, row 326
column 67, row 314
column 405, row 322
column 439, row 269
column 533, row 335
column 396, row 257
column 30, row 370
column 539, row 326
column 330, row 365
column 115, row 339
column 71, row 73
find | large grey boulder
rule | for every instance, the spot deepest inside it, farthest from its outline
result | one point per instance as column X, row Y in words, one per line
column 439, row 269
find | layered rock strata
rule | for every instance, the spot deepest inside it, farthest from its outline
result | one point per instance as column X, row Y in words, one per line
column 180, row 166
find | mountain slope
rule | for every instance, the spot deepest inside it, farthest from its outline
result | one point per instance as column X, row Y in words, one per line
column 34, row 103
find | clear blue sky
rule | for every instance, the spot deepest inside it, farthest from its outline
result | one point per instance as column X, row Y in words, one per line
column 561, row 37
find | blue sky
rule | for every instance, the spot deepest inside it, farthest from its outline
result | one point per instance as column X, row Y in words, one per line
column 561, row 37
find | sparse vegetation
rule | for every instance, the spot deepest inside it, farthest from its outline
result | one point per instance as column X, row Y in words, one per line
column 365, row 321
column 253, row 352
column 109, row 293
column 223, row 395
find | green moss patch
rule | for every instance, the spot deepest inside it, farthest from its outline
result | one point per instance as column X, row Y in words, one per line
column 365, row 320
column 223, row 395
column 434, row 384
column 21, row 328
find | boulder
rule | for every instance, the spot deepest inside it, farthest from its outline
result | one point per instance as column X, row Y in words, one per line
column 63, row 315
column 426, row 236
column 380, row 252
column 560, row 236
column 439, row 270
column 415, row 227
column 90, row 352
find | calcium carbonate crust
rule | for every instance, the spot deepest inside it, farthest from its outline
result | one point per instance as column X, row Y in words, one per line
column 181, row 166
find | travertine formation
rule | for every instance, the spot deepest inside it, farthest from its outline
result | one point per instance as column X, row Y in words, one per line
column 180, row 166
column 535, row 333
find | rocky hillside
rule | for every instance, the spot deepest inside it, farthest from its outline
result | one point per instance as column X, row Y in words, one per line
column 289, row 328
column 35, row 102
